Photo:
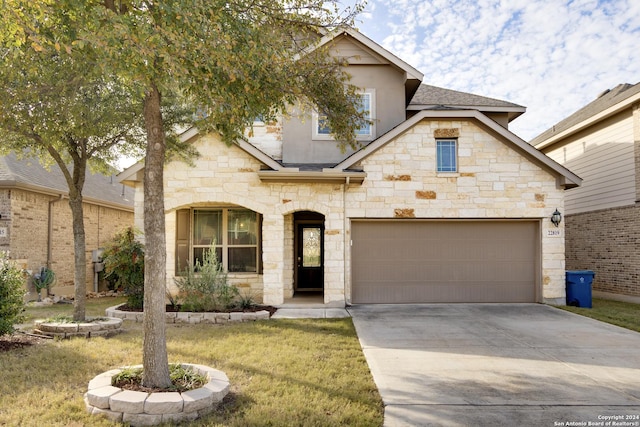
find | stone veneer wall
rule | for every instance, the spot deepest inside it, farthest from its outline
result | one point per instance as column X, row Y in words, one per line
column 494, row 181
column 28, row 230
column 606, row 242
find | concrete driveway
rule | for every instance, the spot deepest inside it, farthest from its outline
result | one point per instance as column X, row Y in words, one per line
column 498, row 365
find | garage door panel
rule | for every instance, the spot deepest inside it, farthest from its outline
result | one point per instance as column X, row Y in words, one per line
column 433, row 261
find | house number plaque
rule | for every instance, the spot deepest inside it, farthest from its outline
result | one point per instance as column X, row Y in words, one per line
column 554, row 233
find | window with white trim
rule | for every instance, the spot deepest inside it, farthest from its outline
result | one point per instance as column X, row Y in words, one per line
column 233, row 232
column 446, row 155
column 365, row 103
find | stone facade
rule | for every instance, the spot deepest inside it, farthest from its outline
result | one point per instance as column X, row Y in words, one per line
column 606, row 241
column 494, row 181
column 25, row 216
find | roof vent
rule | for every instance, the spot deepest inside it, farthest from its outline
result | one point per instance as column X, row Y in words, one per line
column 603, row 93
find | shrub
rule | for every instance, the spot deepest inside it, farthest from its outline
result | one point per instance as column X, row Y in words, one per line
column 204, row 286
column 124, row 265
column 11, row 295
column 246, row 300
column 182, row 378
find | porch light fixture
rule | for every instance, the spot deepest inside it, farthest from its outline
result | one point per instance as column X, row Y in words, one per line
column 556, row 217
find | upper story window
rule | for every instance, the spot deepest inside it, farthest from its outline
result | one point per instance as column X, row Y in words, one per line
column 365, row 103
column 234, row 232
column 446, row 155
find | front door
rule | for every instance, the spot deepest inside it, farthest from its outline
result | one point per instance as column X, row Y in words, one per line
column 309, row 256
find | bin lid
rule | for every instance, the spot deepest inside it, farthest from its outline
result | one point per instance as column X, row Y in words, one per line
column 581, row 272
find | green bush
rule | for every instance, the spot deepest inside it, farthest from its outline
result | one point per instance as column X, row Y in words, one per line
column 11, row 295
column 123, row 259
column 204, row 286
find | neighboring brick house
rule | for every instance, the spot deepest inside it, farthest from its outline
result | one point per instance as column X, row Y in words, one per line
column 35, row 218
column 601, row 144
column 441, row 204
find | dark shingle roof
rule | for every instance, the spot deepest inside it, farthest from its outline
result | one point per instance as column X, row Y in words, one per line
column 605, row 100
column 433, row 96
column 29, row 173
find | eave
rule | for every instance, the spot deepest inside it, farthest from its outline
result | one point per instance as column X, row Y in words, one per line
column 512, row 112
column 65, row 194
column 326, row 176
column 614, row 109
column 565, row 178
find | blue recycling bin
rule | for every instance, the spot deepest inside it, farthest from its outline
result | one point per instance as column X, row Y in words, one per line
column 578, row 284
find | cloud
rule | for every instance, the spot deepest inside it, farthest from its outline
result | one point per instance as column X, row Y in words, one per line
column 551, row 56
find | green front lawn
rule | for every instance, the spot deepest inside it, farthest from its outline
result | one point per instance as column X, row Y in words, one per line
column 623, row 314
column 283, row 372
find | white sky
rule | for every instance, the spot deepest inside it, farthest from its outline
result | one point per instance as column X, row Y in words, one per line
column 551, row 56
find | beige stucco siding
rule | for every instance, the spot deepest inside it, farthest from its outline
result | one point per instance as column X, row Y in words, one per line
column 603, row 156
column 368, row 72
column 494, row 181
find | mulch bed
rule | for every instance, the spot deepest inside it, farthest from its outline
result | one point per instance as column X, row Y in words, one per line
column 176, row 308
column 18, row 340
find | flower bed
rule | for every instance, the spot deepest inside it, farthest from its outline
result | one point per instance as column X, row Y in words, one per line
column 91, row 328
column 145, row 409
column 191, row 317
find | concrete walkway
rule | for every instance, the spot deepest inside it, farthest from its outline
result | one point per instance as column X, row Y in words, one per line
column 310, row 313
column 499, row 365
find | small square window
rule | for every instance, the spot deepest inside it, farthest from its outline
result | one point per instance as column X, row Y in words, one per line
column 446, row 155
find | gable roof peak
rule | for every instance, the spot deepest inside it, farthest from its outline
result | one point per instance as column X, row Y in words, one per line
column 616, row 90
column 606, row 103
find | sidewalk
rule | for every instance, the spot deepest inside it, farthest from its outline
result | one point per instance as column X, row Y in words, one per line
column 310, row 313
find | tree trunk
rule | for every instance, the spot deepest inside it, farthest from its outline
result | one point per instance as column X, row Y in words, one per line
column 154, row 350
column 79, row 255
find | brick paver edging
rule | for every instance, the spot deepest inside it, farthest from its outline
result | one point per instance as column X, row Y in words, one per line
column 88, row 329
column 147, row 409
column 190, row 317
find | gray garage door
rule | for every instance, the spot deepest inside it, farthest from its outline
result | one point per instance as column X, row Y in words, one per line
column 417, row 261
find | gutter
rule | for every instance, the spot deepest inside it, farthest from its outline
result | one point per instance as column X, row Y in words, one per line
column 327, row 176
column 52, row 192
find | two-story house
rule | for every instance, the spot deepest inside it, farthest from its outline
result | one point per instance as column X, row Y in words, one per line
column 441, row 204
column 601, row 143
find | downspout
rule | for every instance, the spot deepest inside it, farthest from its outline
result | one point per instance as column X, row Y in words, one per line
column 50, row 231
column 344, row 239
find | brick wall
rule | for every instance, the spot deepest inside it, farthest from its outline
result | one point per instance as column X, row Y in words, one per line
column 5, row 212
column 607, row 242
column 29, row 226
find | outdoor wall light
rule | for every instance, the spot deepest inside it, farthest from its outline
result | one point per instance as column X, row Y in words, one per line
column 556, row 217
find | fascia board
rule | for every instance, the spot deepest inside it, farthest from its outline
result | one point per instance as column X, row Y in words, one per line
column 412, row 73
column 614, row 109
column 420, row 107
column 133, row 173
column 572, row 179
column 326, row 176
column 65, row 194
